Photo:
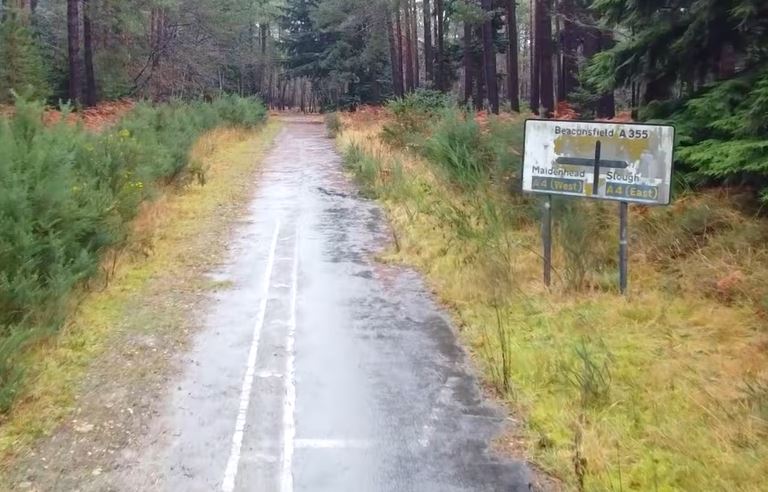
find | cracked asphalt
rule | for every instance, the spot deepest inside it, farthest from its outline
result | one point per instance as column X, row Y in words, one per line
column 318, row 368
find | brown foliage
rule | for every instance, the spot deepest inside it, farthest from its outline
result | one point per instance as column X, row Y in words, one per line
column 96, row 118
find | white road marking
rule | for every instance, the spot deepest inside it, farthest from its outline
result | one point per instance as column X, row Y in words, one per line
column 269, row 374
column 428, row 429
column 230, row 473
column 332, row 444
column 289, row 404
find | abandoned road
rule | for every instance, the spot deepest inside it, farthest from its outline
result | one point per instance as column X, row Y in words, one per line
column 319, row 368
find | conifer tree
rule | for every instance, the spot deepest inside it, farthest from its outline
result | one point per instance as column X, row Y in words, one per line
column 21, row 65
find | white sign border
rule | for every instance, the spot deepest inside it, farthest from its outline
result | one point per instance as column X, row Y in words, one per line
column 602, row 198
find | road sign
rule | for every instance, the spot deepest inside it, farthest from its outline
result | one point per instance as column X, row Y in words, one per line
column 610, row 161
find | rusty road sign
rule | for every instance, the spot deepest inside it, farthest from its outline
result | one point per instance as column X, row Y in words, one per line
column 626, row 162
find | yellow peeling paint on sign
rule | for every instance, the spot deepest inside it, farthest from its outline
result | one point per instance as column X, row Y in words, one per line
column 611, row 161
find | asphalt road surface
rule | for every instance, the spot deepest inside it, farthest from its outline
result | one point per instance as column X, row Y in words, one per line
column 320, row 369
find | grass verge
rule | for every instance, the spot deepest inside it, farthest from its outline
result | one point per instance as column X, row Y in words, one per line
column 177, row 236
column 664, row 390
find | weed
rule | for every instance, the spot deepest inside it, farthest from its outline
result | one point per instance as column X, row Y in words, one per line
column 500, row 352
column 333, row 124
column 590, row 374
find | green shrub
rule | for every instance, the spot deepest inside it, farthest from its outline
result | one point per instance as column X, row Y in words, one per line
column 505, row 140
column 412, row 116
column 67, row 194
column 458, row 147
column 246, row 112
column 333, row 124
column 21, row 66
column 423, row 101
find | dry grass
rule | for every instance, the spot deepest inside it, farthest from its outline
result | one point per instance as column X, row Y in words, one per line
column 163, row 232
column 664, row 390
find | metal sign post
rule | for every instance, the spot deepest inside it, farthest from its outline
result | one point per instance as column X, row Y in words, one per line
column 623, row 247
column 629, row 163
column 546, row 239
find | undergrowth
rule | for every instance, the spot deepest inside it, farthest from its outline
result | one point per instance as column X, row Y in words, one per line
column 68, row 195
column 663, row 390
column 172, row 241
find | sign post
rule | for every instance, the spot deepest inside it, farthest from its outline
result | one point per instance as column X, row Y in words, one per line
column 546, row 240
column 623, row 247
column 624, row 162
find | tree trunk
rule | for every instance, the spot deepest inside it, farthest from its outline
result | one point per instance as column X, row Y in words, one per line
column 157, row 43
column 90, row 76
column 558, row 46
column 513, row 89
column 489, row 59
column 535, row 56
column 606, row 105
column 22, row 10
column 428, row 62
column 73, row 51
column 415, row 42
column 399, row 36
column 397, row 78
column 726, row 62
column 477, row 71
column 596, row 40
column 468, row 59
column 409, row 86
column 569, row 47
column 657, row 90
column 440, row 38
column 544, row 49
column 264, row 36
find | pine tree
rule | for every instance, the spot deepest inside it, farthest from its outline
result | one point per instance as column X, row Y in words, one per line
column 489, row 57
column 428, row 61
column 512, row 63
column 702, row 65
column 73, row 51
column 21, row 65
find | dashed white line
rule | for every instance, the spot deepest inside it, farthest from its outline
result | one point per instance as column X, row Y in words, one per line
column 332, row 444
column 289, row 403
column 268, row 374
column 228, row 485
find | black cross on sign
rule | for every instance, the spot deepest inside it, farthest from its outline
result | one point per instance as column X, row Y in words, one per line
column 596, row 162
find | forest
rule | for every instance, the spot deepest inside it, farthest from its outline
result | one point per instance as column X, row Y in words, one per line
column 698, row 63
column 426, row 100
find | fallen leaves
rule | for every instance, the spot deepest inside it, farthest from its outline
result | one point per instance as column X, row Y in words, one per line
column 96, row 118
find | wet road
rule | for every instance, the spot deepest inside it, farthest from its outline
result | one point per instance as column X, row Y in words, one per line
column 320, row 369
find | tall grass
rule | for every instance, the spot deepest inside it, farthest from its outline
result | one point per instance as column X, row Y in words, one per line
column 664, row 390
column 333, row 124
column 67, row 195
column 456, row 146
